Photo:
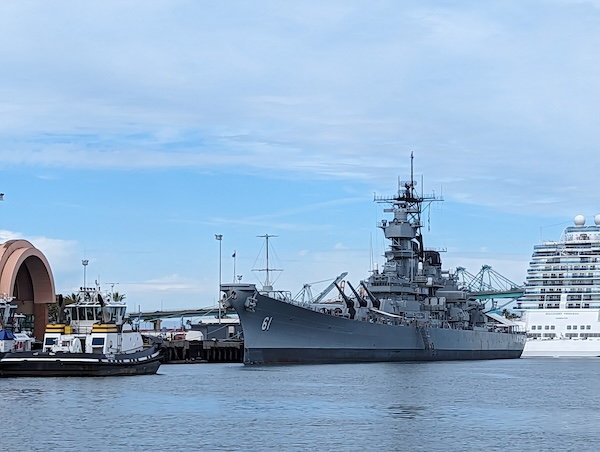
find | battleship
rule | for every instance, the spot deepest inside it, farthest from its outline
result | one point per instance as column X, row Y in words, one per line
column 410, row 310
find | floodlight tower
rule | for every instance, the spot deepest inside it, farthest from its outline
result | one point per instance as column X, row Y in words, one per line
column 219, row 237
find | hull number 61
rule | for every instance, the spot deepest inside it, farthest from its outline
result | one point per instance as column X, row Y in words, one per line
column 266, row 324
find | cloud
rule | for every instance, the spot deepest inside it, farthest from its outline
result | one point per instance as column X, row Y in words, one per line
column 498, row 100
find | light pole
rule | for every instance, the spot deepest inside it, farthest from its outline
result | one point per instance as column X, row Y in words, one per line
column 233, row 255
column 219, row 237
column 84, row 262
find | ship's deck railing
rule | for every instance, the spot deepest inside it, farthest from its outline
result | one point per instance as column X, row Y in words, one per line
column 282, row 295
column 566, row 308
column 80, row 330
column 416, row 320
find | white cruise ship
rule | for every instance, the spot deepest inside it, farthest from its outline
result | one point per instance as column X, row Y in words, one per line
column 561, row 303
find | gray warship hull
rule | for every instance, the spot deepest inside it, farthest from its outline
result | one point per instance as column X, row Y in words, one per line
column 277, row 331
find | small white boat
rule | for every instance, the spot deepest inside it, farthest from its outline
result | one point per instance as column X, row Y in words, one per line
column 12, row 339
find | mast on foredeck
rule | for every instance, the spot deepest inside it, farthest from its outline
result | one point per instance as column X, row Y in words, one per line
column 268, row 285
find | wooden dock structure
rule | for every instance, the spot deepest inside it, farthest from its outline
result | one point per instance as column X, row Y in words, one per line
column 202, row 351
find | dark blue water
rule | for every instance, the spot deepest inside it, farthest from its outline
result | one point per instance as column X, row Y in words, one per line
column 525, row 405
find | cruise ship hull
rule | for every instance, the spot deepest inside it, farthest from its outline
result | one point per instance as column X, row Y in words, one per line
column 562, row 348
column 566, row 333
column 281, row 332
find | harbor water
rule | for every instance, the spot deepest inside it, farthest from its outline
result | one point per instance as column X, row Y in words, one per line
column 522, row 404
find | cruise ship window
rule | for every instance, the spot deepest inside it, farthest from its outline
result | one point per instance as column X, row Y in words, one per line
column 547, row 327
column 568, row 327
column 552, row 327
column 574, row 327
column 588, row 327
column 582, row 327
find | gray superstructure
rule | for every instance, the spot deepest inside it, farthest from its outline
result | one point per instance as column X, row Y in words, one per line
column 409, row 310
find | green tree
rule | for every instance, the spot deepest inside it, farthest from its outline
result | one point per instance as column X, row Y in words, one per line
column 73, row 298
column 116, row 296
column 53, row 311
column 54, row 307
column 509, row 315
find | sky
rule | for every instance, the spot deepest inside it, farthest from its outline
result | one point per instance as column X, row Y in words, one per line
column 133, row 132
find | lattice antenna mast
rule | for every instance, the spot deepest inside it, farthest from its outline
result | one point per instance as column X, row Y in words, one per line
column 268, row 284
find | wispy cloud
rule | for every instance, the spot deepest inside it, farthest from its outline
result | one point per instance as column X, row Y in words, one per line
column 498, row 100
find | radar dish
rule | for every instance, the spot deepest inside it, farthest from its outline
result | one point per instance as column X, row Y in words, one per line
column 579, row 220
column 597, row 219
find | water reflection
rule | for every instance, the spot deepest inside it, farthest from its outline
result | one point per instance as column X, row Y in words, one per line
column 418, row 406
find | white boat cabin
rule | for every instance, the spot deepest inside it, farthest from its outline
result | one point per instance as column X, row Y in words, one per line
column 94, row 324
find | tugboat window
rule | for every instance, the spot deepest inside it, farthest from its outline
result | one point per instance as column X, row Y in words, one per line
column 98, row 341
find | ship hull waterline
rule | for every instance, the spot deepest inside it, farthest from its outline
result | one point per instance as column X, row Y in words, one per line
column 38, row 364
column 277, row 332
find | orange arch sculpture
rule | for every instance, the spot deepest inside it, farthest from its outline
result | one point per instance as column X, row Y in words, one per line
column 25, row 274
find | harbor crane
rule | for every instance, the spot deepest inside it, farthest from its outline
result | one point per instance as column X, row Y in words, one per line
column 487, row 280
column 488, row 284
column 305, row 294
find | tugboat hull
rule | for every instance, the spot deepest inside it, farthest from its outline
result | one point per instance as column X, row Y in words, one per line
column 39, row 364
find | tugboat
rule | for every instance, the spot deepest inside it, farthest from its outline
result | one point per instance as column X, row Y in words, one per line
column 411, row 310
column 93, row 337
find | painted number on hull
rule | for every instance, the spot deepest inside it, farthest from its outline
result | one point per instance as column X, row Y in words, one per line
column 266, row 323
